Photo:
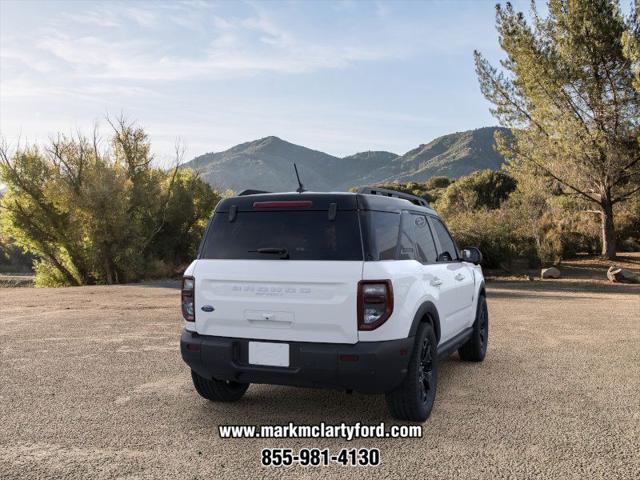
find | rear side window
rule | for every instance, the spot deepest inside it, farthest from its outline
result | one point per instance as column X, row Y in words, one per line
column 303, row 235
column 388, row 235
column 381, row 230
column 448, row 250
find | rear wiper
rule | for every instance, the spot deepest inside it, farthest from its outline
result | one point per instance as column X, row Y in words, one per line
column 283, row 252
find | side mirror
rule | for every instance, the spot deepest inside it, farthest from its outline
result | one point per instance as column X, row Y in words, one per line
column 472, row 255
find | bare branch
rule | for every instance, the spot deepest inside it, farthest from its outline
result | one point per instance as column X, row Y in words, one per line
column 626, row 196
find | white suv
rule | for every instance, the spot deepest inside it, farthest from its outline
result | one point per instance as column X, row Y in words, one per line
column 356, row 291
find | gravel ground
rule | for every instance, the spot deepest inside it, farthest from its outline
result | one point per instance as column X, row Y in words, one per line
column 92, row 386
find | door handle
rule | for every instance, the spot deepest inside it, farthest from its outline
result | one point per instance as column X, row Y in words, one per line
column 436, row 282
column 459, row 277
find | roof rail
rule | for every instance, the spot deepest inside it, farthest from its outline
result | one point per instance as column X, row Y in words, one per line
column 251, row 192
column 393, row 193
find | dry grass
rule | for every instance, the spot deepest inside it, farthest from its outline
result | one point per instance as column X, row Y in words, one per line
column 8, row 280
column 583, row 268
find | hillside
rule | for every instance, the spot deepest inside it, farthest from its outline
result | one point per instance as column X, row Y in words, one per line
column 452, row 156
column 267, row 163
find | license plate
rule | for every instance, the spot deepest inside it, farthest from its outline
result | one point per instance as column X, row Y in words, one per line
column 266, row 353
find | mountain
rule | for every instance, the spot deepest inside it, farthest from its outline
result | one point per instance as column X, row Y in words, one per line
column 452, row 156
column 267, row 163
column 361, row 168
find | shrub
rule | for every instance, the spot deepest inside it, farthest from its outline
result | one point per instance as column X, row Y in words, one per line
column 482, row 189
column 93, row 216
column 494, row 233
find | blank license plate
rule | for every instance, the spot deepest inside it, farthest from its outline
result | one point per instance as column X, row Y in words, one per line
column 272, row 354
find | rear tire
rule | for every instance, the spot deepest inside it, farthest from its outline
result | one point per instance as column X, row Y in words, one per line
column 218, row 390
column 476, row 347
column 414, row 398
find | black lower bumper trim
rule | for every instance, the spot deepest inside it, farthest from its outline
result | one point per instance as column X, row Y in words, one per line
column 369, row 367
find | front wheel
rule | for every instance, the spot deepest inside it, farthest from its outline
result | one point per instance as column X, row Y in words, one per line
column 414, row 398
column 476, row 347
column 218, row 390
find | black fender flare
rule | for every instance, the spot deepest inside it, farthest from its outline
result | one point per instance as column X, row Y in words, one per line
column 482, row 292
column 426, row 310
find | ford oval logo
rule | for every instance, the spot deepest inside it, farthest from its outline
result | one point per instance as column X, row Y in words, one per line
column 207, row 308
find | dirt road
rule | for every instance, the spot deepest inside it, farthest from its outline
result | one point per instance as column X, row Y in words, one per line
column 92, row 385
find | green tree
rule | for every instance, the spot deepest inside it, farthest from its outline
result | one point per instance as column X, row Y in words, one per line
column 631, row 41
column 438, row 182
column 481, row 189
column 566, row 89
column 93, row 216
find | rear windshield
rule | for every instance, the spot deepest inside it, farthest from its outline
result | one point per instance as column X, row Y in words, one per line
column 277, row 235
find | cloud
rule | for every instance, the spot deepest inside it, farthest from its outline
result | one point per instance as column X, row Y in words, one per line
column 233, row 46
column 122, row 41
column 110, row 16
column 177, row 63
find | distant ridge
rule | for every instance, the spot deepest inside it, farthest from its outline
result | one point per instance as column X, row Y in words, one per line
column 266, row 163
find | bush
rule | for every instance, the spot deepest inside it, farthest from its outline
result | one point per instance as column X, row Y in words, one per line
column 435, row 183
column 47, row 276
column 13, row 259
column 102, row 217
column 493, row 232
column 482, row 189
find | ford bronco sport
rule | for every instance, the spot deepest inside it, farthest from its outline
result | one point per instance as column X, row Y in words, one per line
column 356, row 291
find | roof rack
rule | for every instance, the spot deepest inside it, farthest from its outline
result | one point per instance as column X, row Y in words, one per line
column 393, row 193
column 251, row 192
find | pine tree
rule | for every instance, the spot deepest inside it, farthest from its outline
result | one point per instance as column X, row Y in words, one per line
column 566, row 89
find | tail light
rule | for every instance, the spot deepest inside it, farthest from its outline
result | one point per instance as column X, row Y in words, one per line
column 375, row 303
column 188, row 299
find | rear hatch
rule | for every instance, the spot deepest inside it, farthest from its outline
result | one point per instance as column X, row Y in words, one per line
column 281, row 268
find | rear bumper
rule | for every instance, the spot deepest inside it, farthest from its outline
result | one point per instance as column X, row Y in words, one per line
column 370, row 367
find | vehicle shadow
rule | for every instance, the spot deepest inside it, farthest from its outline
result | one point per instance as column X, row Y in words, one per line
column 279, row 405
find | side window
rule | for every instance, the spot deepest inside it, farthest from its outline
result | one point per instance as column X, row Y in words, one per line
column 381, row 234
column 448, row 251
column 406, row 242
column 426, row 248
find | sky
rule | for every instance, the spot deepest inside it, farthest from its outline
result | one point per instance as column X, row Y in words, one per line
column 340, row 77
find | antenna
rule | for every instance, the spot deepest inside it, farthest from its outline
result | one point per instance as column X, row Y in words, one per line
column 300, row 188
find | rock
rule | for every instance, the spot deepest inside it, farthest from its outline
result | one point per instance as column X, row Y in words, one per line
column 551, row 272
column 622, row 275
column 631, row 245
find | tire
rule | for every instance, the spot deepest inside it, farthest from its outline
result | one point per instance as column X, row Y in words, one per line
column 218, row 390
column 476, row 347
column 414, row 398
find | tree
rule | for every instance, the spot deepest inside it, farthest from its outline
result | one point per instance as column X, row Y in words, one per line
column 481, row 189
column 437, row 182
column 566, row 89
column 631, row 41
column 101, row 216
